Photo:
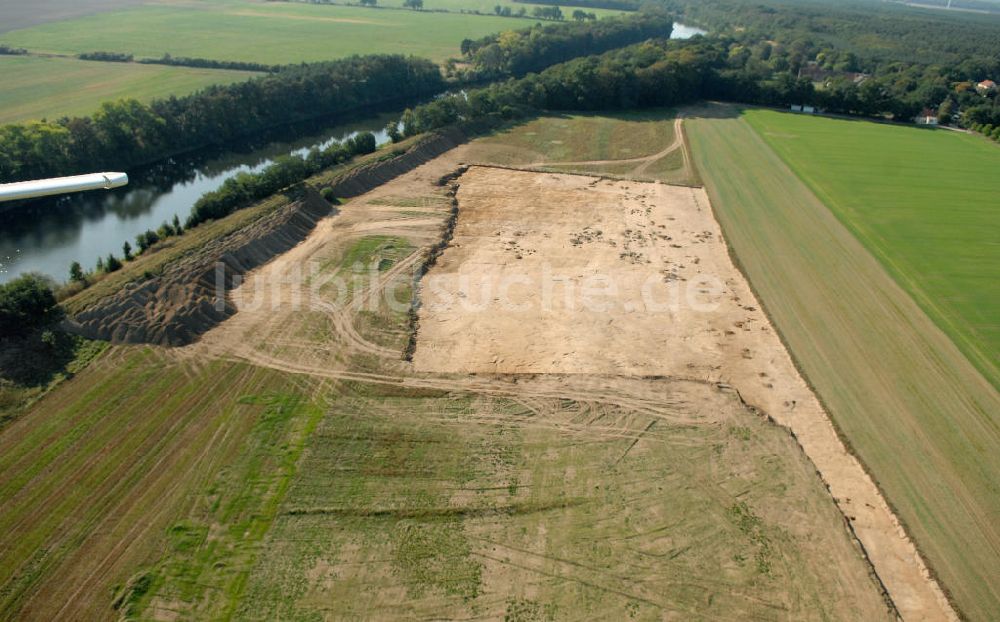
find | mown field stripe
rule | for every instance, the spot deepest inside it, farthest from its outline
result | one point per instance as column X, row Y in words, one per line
column 128, row 530
column 911, row 405
column 917, row 201
column 105, row 499
column 74, row 495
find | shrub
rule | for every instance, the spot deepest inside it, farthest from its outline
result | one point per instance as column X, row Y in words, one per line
column 76, row 272
column 112, row 263
column 27, row 303
column 327, row 193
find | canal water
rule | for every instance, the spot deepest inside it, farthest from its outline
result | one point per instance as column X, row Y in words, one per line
column 48, row 235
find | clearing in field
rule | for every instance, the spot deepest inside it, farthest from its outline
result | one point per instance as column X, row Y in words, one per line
column 912, row 406
column 643, row 145
column 265, row 32
column 46, row 87
column 919, row 200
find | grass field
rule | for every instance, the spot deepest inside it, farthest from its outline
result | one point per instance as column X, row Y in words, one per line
column 920, row 201
column 261, row 32
column 17, row 15
column 157, row 487
column 39, row 87
column 639, row 145
column 463, row 505
column 93, row 478
column 916, row 411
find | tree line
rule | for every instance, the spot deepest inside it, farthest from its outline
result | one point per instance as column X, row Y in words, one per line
column 653, row 73
column 614, row 5
column 517, row 52
column 246, row 188
column 181, row 61
column 126, row 133
column 669, row 72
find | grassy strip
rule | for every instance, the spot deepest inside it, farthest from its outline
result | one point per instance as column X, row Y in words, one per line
column 94, row 474
column 211, row 552
column 913, row 408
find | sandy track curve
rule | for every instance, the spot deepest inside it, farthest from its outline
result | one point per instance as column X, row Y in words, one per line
column 643, row 162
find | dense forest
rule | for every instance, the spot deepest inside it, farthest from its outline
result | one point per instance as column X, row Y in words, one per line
column 518, row 52
column 896, row 58
column 127, row 133
column 876, row 33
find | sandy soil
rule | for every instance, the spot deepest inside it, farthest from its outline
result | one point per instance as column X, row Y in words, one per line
column 524, row 234
column 651, row 241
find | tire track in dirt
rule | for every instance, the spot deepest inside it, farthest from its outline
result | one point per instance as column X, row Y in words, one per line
column 554, row 387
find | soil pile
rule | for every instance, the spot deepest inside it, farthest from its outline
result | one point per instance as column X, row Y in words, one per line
column 189, row 297
column 369, row 176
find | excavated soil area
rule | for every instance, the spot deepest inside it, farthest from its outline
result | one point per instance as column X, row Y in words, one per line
column 572, row 274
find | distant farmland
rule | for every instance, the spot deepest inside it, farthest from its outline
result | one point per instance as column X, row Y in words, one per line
column 922, row 201
column 271, row 33
column 37, row 87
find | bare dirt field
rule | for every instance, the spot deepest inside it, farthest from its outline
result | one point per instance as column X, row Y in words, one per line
column 571, row 274
column 511, row 526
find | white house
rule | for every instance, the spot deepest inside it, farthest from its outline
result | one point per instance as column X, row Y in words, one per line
column 926, row 117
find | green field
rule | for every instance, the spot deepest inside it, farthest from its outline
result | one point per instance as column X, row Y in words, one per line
column 915, row 410
column 921, row 201
column 634, row 144
column 38, row 87
column 262, row 32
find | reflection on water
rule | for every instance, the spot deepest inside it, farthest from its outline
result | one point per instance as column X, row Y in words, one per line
column 47, row 235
